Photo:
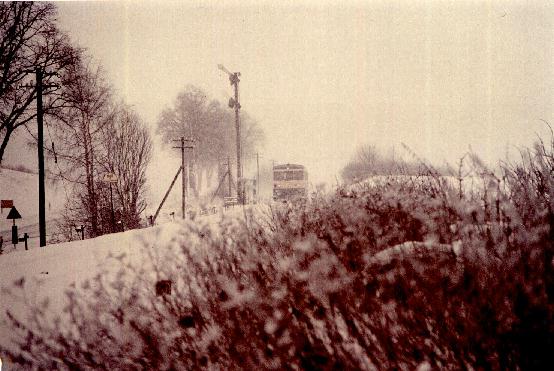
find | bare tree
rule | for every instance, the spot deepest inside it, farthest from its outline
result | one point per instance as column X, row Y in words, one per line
column 212, row 127
column 78, row 132
column 363, row 163
column 127, row 150
column 29, row 41
column 368, row 161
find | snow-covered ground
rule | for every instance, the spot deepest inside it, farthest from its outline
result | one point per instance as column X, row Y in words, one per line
column 50, row 271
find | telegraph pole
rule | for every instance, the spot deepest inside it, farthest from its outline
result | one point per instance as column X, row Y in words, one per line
column 183, row 177
column 184, row 172
column 41, row 190
column 39, row 86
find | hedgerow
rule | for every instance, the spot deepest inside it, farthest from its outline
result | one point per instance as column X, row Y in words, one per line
column 402, row 274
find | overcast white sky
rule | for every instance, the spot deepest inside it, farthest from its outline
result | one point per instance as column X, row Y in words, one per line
column 323, row 78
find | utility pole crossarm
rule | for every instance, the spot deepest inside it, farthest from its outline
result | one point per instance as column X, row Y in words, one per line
column 190, row 146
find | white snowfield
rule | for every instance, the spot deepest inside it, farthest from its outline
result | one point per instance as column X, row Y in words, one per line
column 48, row 272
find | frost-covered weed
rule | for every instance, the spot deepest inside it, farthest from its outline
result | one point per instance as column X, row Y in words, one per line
column 399, row 275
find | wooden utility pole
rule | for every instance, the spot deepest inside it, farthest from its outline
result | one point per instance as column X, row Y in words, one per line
column 41, row 188
column 183, row 177
column 184, row 172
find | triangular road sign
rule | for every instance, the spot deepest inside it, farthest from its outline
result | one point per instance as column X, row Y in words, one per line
column 13, row 214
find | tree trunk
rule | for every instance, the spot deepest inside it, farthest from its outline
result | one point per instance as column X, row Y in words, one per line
column 4, row 144
column 89, row 172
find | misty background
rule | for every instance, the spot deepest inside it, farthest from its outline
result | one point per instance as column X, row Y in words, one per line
column 323, row 79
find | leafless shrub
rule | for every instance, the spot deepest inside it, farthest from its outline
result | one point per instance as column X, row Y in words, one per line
column 387, row 276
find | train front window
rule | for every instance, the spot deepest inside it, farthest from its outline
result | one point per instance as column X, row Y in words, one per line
column 297, row 175
column 288, row 175
column 279, row 175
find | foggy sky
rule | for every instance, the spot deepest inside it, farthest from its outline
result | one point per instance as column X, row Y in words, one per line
column 322, row 79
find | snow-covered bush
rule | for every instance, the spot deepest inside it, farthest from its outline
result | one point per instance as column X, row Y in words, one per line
column 390, row 276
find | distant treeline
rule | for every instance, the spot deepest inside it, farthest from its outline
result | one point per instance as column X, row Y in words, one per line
column 369, row 161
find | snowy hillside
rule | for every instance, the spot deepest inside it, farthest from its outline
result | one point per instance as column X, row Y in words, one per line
column 22, row 188
column 49, row 272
